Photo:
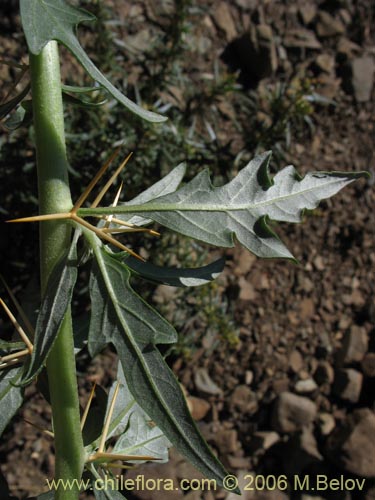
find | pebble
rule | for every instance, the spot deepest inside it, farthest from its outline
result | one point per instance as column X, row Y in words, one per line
column 326, row 423
column 244, row 400
column 198, row 407
column 223, row 19
column 368, row 364
column 265, row 439
column 296, row 361
column 348, row 384
column 362, row 77
column 347, row 49
column 308, row 13
column 354, row 345
column 326, row 63
column 352, row 445
column 328, row 25
column 204, row 383
column 324, row 373
column 301, row 39
column 305, row 386
column 292, row 413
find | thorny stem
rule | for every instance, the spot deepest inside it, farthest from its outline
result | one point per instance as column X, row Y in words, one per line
column 54, row 197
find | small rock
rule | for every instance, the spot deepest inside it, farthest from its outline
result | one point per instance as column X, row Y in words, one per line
column 362, row 80
column 264, row 440
column 354, row 345
column 328, row 25
column 249, row 377
column 307, row 308
column 308, row 13
column 198, row 407
column 204, row 383
column 296, row 361
column 326, row 63
column 244, row 399
column 301, row 39
column 347, row 49
column 352, row 445
column 223, row 19
column 292, row 413
column 247, row 291
column 326, row 423
column 319, row 263
column 306, row 386
column 368, row 364
column 244, row 262
column 348, row 384
column 345, row 16
column 324, row 373
column 328, row 86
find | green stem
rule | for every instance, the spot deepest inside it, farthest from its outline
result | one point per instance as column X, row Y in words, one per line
column 54, row 196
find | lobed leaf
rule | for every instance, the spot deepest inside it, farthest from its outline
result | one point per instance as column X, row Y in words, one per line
column 118, row 306
column 54, row 305
column 46, row 20
column 241, row 208
column 147, row 375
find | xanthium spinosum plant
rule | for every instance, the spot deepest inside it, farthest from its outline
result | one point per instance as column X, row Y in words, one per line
column 145, row 410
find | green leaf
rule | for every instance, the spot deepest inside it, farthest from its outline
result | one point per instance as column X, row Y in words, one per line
column 79, row 90
column 138, row 435
column 23, row 115
column 8, row 106
column 174, row 276
column 54, row 305
column 121, row 307
column 83, row 103
column 46, row 20
column 241, row 208
column 148, row 377
column 11, row 396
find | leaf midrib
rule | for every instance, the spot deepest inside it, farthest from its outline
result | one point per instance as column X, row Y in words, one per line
column 196, row 207
column 134, row 344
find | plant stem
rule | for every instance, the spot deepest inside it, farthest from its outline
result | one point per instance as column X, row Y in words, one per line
column 54, row 196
